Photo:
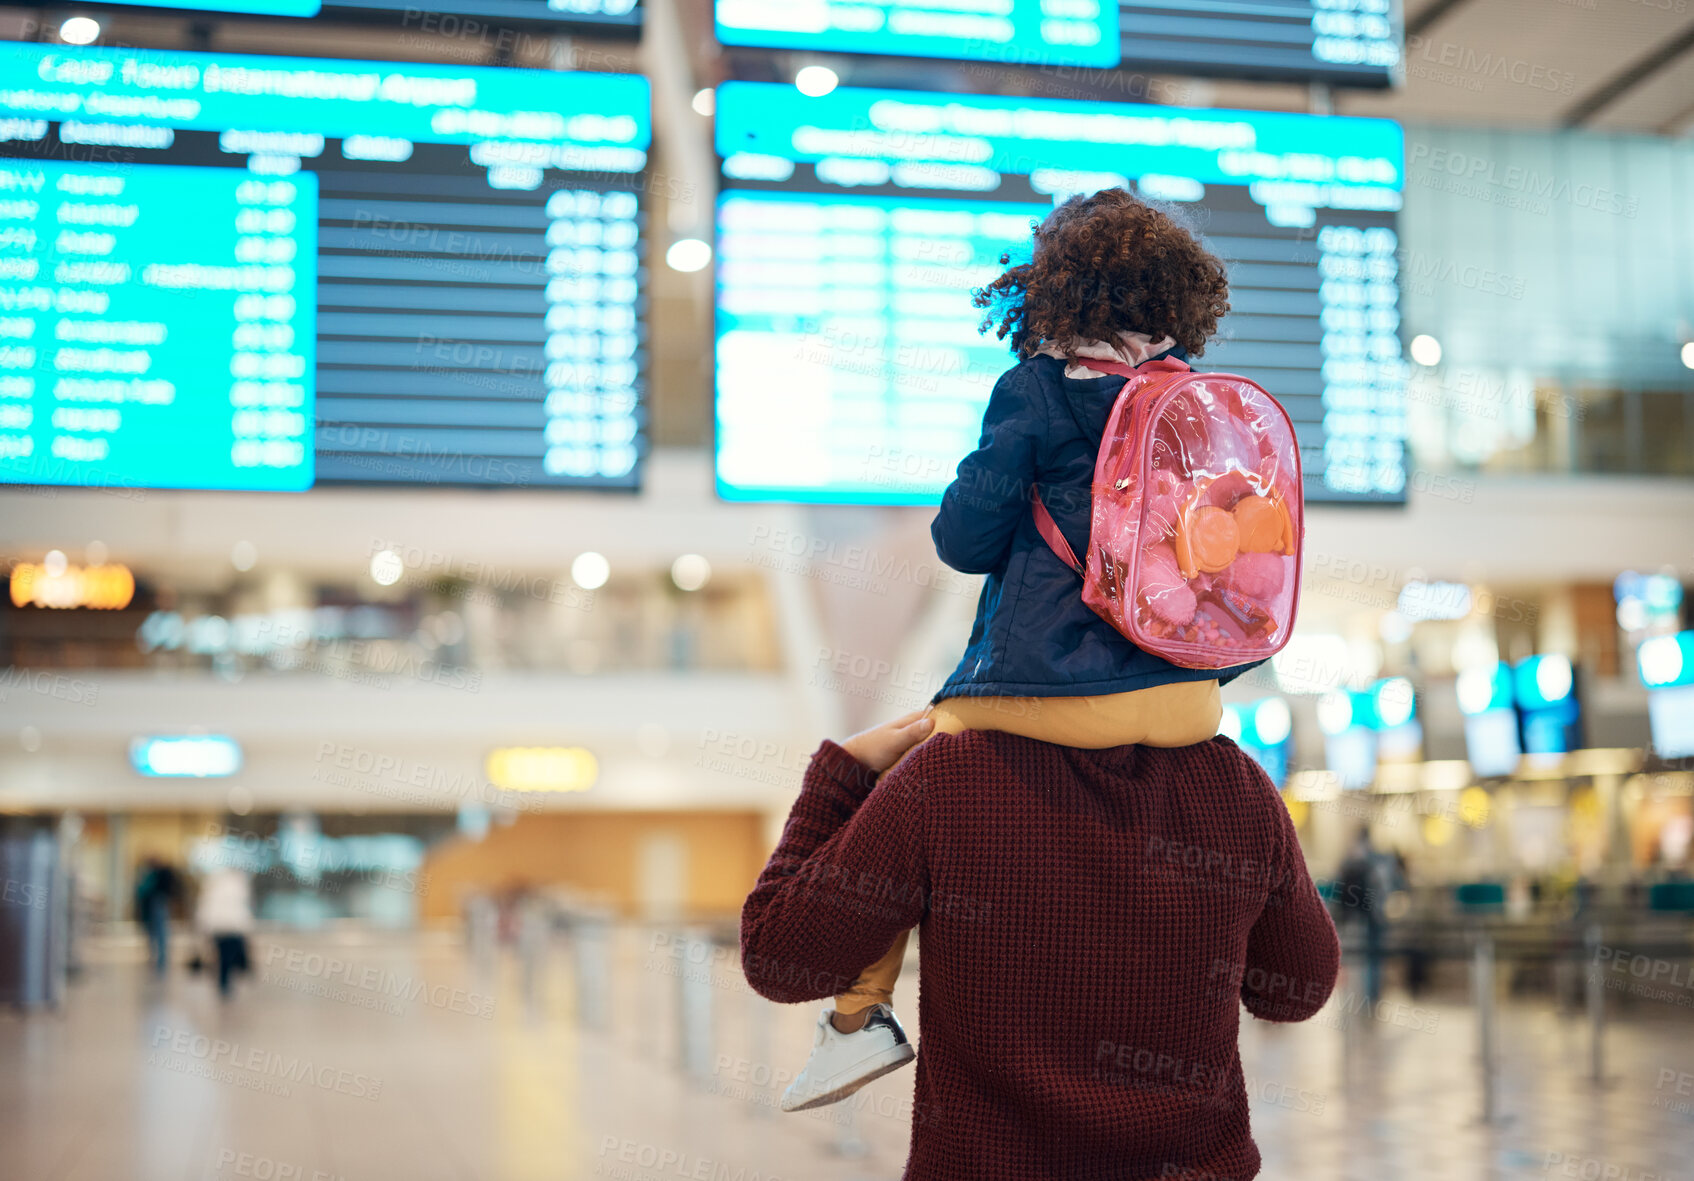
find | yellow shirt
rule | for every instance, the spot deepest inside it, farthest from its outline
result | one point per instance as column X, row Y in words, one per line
column 1177, row 714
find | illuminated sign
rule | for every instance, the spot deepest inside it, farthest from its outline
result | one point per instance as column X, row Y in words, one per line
column 1664, row 661
column 1492, row 742
column 1364, row 726
column 1264, row 729
column 1646, row 600
column 1545, row 690
column 102, row 588
column 196, row 756
column 1386, row 705
column 1484, row 688
column 542, row 768
column 1666, row 665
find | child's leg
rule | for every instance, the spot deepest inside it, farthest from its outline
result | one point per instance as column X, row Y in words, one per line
column 875, row 985
column 856, row 1043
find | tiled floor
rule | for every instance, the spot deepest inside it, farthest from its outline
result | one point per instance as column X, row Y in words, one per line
column 396, row 1057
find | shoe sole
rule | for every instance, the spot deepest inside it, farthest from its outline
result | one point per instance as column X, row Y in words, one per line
column 894, row 1059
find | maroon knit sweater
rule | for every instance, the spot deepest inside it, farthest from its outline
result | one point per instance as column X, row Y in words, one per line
column 1091, row 922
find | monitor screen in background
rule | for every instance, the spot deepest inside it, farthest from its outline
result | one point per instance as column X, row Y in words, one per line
column 1492, row 744
column 1671, row 713
column 851, row 229
column 1341, row 42
column 1061, row 32
column 477, row 19
column 247, row 272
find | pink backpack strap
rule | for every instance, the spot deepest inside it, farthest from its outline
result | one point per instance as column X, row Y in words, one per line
column 1050, row 532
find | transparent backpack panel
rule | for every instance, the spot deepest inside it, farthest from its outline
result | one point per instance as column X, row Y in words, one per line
column 1200, row 535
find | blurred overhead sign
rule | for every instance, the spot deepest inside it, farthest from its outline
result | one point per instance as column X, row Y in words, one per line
column 542, row 768
column 103, row 588
column 196, row 756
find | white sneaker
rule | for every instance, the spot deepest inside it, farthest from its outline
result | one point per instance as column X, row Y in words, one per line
column 841, row 1063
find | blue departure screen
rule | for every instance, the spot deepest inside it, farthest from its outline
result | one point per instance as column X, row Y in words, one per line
column 245, row 272
column 1345, row 42
column 477, row 21
column 1076, row 32
column 249, row 7
column 851, row 229
column 157, row 326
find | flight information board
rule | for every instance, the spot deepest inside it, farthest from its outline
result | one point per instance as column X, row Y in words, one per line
column 1344, row 42
column 250, row 272
column 1072, row 32
column 852, row 228
column 478, row 20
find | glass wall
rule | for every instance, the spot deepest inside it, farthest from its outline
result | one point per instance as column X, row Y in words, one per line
column 1556, row 273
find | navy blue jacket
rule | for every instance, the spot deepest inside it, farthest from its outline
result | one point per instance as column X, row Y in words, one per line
column 1033, row 635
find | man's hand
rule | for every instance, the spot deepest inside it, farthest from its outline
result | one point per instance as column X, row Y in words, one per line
column 880, row 747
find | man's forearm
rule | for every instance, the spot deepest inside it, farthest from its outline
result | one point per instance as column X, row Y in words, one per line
column 846, row 877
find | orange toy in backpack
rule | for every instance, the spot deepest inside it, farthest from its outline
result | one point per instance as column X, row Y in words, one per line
column 1198, row 517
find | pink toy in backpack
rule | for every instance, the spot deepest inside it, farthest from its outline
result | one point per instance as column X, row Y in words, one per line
column 1198, row 517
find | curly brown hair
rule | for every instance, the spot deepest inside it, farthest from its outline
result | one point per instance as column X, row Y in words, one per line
column 1105, row 264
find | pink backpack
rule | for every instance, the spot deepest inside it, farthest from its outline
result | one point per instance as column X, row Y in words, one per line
column 1198, row 517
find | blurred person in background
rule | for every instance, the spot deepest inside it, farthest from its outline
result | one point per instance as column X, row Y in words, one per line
column 224, row 915
column 1364, row 883
column 1417, row 955
column 156, row 889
